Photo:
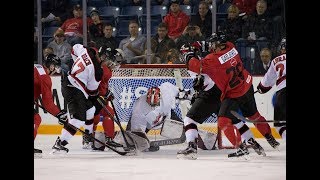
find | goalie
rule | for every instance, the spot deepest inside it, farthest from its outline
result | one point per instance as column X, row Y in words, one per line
column 155, row 107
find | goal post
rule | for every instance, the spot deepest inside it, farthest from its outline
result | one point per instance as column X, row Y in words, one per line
column 130, row 81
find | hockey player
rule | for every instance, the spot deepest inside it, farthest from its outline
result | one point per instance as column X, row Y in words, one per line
column 276, row 75
column 206, row 102
column 110, row 59
column 224, row 67
column 152, row 108
column 42, row 87
column 80, row 85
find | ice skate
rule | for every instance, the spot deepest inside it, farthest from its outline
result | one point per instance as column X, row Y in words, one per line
column 86, row 141
column 274, row 143
column 242, row 151
column 110, row 142
column 189, row 153
column 37, row 153
column 256, row 146
column 59, row 146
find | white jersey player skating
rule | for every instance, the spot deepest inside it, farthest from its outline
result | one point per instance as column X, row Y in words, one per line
column 276, row 75
column 78, row 88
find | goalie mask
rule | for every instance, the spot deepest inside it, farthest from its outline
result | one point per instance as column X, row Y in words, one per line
column 53, row 63
column 153, row 96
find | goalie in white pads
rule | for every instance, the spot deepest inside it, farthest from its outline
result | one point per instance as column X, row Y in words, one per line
column 155, row 107
column 276, row 75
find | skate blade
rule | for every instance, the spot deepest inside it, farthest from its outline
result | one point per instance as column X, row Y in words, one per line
column 192, row 156
column 58, row 152
column 243, row 157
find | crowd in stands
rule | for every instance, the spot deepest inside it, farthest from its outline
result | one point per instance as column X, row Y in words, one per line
column 255, row 26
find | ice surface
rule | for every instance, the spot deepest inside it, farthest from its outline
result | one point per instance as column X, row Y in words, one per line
column 81, row 164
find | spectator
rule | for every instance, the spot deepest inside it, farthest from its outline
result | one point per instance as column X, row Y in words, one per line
column 246, row 7
column 261, row 67
column 73, row 27
column 188, row 2
column 173, row 57
column 62, row 49
column 258, row 26
column 160, row 44
column 133, row 45
column 232, row 26
column 176, row 20
column 96, row 28
column 203, row 19
column 107, row 40
column 191, row 34
column 54, row 12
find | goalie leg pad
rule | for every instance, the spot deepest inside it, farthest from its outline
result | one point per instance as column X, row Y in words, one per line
column 171, row 128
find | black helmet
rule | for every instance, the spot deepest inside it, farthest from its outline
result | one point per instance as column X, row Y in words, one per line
column 107, row 51
column 283, row 44
column 54, row 60
column 218, row 37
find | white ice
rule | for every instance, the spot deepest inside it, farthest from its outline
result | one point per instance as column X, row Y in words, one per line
column 80, row 164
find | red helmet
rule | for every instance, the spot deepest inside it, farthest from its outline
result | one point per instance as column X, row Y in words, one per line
column 153, row 96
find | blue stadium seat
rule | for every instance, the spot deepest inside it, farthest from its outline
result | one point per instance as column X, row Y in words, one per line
column 132, row 10
column 156, row 19
column 157, row 9
column 120, row 3
column 186, row 8
column 109, row 11
column 97, row 3
column 223, row 8
column 123, row 24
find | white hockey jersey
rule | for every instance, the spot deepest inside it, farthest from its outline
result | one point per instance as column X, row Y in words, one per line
column 143, row 115
column 82, row 73
column 276, row 73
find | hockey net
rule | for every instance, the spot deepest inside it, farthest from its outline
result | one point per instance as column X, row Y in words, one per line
column 131, row 81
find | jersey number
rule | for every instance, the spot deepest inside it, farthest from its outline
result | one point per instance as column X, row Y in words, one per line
column 280, row 67
column 236, row 73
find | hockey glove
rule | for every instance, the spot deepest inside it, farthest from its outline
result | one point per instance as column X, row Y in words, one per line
column 262, row 89
column 109, row 96
column 198, row 83
column 185, row 94
column 62, row 117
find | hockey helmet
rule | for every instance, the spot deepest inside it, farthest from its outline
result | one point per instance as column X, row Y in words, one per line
column 53, row 63
column 153, row 96
column 106, row 53
column 216, row 39
column 283, row 45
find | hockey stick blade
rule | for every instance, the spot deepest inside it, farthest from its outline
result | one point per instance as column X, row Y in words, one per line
column 242, row 118
column 165, row 142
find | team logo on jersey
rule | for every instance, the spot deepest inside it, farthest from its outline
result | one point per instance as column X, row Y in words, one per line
column 227, row 56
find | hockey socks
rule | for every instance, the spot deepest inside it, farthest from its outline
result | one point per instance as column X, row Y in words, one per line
column 231, row 132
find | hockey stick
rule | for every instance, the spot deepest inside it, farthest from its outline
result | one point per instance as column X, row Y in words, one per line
column 88, row 135
column 165, row 142
column 116, row 120
column 242, row 118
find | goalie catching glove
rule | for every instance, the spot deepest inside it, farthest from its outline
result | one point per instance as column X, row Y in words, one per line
column 62, row 117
